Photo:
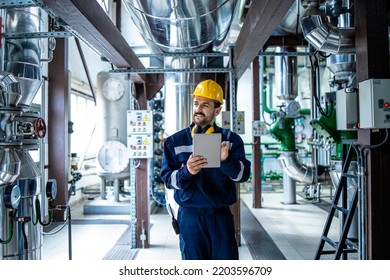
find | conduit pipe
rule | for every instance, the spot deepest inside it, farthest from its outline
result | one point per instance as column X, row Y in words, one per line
column 324, row 36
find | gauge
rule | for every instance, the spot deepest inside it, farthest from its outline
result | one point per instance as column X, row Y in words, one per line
column 113, row 157
column 51, row 189
column 113, row 89
column 12, row 196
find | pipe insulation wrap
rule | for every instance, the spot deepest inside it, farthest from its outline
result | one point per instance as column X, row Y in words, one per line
column 326, row 37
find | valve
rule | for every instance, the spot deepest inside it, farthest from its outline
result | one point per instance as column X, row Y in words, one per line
column 40, row 127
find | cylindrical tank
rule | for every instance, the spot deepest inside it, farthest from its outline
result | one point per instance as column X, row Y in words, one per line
column 113, row 102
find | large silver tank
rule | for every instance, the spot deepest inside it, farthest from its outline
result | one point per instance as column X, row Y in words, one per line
column 113, row 102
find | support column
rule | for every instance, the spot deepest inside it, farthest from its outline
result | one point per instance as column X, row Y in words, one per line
column 372, row 61
column 256, row 149
column 58, row 99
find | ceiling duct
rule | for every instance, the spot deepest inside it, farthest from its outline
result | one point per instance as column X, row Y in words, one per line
column 323, row 35
column 172, row 26
column 187, row 26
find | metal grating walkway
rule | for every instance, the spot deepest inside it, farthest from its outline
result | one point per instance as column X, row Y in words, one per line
column 122, row 249
column 260, row 244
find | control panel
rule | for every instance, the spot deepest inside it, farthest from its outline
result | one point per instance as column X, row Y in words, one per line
column 140, row 134
column 347, row 109
column 374, row 103
column 240, row 121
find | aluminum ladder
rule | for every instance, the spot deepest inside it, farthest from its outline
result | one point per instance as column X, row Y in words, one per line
column 344, row 245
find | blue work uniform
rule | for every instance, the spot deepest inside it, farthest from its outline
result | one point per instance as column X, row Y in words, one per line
column 204, row 218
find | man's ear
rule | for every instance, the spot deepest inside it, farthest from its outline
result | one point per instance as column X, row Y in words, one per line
column 217, row 111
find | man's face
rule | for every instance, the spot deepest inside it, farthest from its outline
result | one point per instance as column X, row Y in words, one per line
column 204, row 111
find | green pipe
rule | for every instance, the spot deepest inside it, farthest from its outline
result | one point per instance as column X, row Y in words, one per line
column 265, row 106
column 326, row 127
column 285, row 135
column 305, row 111
column 271, row 153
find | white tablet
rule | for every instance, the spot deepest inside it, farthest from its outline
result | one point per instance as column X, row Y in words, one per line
column 208, row 146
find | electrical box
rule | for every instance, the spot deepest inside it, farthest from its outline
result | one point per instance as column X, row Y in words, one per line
column 347, row 109
column 259, row 128
column 240, row 121
column 140, row 134
column 374, row 103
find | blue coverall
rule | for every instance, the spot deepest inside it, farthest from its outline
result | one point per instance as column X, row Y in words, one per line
column 205, row 221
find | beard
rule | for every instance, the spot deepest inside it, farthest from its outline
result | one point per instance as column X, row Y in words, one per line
column 203, row 120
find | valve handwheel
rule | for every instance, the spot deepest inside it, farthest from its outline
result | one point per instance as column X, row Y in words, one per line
column 40, row 127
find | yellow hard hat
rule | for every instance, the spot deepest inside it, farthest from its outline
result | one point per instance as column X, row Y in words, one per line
column 209, row 89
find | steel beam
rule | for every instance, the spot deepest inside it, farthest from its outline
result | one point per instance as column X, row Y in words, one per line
column 88, row 21
column 261, row 20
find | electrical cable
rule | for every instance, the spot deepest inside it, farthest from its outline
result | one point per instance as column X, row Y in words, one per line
column 315, row 66
column 361, row 163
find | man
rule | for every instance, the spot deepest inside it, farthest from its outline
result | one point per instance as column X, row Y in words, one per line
column 204, row 194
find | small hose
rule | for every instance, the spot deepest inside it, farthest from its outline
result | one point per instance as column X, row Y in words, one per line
column 38, row 211
column 25, row 238
column 10, row 233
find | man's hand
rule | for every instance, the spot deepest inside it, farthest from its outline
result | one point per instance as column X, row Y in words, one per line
column 195, row 164
column 224, row 150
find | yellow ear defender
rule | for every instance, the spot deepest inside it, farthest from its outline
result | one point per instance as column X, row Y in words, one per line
column 209, row 130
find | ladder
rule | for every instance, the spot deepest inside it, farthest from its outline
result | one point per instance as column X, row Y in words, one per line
column 344, row 245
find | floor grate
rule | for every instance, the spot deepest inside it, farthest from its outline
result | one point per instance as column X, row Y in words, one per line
column 122, row 249
column 260, row 244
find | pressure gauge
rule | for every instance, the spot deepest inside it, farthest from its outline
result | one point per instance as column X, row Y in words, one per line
column 12, row 196
column 113, row 89
column 51, row 189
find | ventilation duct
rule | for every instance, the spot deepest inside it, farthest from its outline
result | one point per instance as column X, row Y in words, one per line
column 23, row 56
column 173, row 26
column 323, row 35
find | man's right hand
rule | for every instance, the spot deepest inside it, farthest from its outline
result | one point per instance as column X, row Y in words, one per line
column 195, row 164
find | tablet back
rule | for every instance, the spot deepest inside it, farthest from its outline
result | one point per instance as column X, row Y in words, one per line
column 208, row 146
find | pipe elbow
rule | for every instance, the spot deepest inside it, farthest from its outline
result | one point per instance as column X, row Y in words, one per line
column 326, row 37
column 295, row 169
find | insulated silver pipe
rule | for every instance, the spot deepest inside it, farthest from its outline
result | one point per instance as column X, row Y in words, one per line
column 294, row 168
column 182, row 26
column 323, row 35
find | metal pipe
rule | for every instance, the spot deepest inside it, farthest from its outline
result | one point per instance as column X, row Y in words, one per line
column 323, row 35
column 294, row 168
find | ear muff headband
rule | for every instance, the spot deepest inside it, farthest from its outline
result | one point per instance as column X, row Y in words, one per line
column 208, row 130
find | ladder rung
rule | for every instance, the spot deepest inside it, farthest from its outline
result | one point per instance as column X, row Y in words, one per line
column 351, row 244
column 329, row 241
column 342, row 209
column 328, row 252
column 349, row 175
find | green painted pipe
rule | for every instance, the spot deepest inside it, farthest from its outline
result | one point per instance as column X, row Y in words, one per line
column 285, row 135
